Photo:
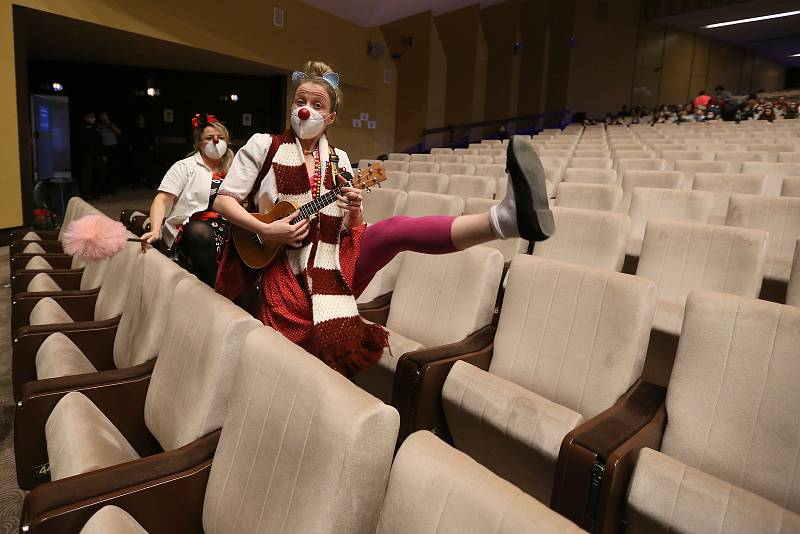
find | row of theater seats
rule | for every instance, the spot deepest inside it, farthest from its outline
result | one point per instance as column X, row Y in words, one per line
column 165, row 419
column 551, row 402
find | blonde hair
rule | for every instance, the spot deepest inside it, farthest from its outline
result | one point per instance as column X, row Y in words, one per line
column 314, row 71
column 227, row 159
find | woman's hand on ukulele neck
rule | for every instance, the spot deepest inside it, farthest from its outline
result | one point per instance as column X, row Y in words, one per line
column 283, row 231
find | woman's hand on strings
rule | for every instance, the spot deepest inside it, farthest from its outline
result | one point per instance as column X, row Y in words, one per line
column 284, row 231
column 349, row 200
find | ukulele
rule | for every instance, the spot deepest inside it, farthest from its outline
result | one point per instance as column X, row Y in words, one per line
column 257, row 253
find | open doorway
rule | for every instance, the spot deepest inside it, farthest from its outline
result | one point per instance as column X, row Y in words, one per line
column 51, row 146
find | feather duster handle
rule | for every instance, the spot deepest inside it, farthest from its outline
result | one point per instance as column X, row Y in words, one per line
column 95, row 237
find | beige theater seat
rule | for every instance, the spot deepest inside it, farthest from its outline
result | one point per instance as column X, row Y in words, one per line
column 507, row 247
column 441, row 151
column 587, row 237
column 772, row 149
column 39, row 276
column 491, row 152
column 399, row 156
column 438, row 300
column 467, row 186
column 490, row 169
column 780, row 217
column 396, row 180
column 775, row 173
column 422, row 158
column 446, row 158
column 590, row 176
column 640, row 165
column 791, row 186
column 737, row 157
column 465, row 152
column 690, row 168
column 670, row 204
column 456, row 168
column 589, row 196
column 474, row 159
column 671, row 156
column 185, row 399
column 661, row 179
column 636, row 153
column 427, row 182
column 380, row 204
column 793, row 288
column 423, row 166
column 789, row 157
column 728, row 456
column 550, row 368
column 439, row 484
column 590, row 163
column 588, row 152
column 301, row 450
column 725, row 184
column 391, row 165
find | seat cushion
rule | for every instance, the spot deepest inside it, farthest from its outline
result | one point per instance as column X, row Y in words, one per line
column 33, row 248
column 31, row 236
column 112, row 519
column 42, row 282
column 80, row 438
column 668, row 317
column 513, row 431
column 378, row 379
column 59, row 356
column 48, row 311
column 667, row 495
column 38, row 262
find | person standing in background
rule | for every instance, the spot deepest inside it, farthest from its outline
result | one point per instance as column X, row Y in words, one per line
column 141, row 144
column 110, row 133
column 92, row 169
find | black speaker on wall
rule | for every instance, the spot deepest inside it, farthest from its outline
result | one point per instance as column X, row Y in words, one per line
column 375, row 49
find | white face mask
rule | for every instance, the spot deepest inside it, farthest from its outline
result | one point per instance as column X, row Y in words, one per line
column 213, row 151
column 309, row 128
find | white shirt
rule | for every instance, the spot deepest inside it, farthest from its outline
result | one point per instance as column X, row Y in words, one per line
column 190, row 181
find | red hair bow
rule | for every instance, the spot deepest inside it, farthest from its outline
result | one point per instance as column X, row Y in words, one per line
column 202, row 119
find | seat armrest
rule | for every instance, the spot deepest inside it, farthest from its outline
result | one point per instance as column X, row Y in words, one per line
column 67, row 279
column 163, row 491
column 48, row 235
column 49, row 246
column 78, row 304
column 94, row 338
column 120, row 394
column 420, row 376
column 596, row 459
column 377, row 310
column 57, row 261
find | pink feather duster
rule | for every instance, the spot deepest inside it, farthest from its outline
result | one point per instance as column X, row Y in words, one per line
column 94, row 237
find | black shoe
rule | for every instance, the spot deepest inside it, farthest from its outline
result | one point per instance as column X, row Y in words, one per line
column 534, row 219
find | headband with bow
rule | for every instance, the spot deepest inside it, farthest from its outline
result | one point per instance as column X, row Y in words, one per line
column 203, row 120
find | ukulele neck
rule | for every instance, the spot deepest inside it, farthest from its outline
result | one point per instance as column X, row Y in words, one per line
column 310, row 209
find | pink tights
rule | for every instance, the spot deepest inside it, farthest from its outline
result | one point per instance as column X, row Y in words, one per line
column 383, row 240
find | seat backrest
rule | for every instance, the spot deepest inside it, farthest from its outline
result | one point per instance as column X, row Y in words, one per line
column 671, row 204
column 507, row 247
column 421, row 158
column 390, row 165
column 791, row 186
column 456, row 168
column 587, row 237
column 591, row 163
column 780, row 216
column 76, row 208
column 141, row 329
column 441, row 151
column 419, row 204
column 446, row 158
column 467, row 186
column 476, row 160
column 733, row 396
column 680, row 256
column 689, row 168
column 775, row 173
column 466, row 151
column 423, row 166
column 427, row 182
column 725, row 184
column 117, row 282
column 793, row 288
column 491, row 152
column 589, row 196
column 590, row 176
column 671, row 156
column 662, row 179
column 490, row 169
column 381, row 204
column 191, row 382
column 399, row 156
column 396, row 180
column 573, row 334
column 789, row 157
column 588, row 152
column 438, row 483
column 640, row 165
column 551, row 174
column 737, row 157
column 440, row 299
column 302, row 450
column 634, row 154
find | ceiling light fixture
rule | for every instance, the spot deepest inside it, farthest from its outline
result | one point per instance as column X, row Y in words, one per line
column 795, row 55
column 752, row 19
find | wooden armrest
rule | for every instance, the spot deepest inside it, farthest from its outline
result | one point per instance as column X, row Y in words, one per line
column 163, row 492
column 94, row 338
column 597, row 458
column 57, row 261
column 119, row 394
column 420, row 375
column 50, row 247
column 18, row 234
column 377, row 310
column 78, row 304
column 67, row 279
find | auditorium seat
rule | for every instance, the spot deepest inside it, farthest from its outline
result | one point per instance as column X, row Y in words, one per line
column 690, row 168
column 589, row 176
column 427, row 182
column 590, row 163
column 441, row 151
column 456, row 168
column 725, row 184
column 439, row 484
column 789, row 157
column 727, row 461
column 780, row 217
column 671, row 156
column 662, row 179
column 438, row 300
column 772, row 149
column 491, row 152
column 589, row 196
column 507, row 247
column 793, row 288
column 587, row 152
column 640, row 165
column 465, row 152
column 549, row 369
column 638, row 153
column 477, row 160
column 587, row 237
column 396, row 180
column 417, row 158
column 446, row 158
column 380, row 204
column 775, row 173
column 392, row 166
column 39, row 276
column 301, row 450
column 791, row 186
column 423, row 166
column 490, row 169
column 671, row 204
column 736, row 158
column 397, row 156
column 466, row 186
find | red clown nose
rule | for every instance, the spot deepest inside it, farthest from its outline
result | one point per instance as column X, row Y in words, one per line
column 304, row 114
